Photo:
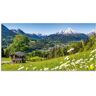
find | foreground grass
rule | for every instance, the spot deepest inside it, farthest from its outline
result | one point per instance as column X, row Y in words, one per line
column 77, row 62
column 33, row 65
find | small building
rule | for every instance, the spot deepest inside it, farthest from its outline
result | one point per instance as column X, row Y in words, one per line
column 18, row 57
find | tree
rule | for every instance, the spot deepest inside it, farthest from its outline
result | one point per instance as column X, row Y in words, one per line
column 3, row 52
column 7, row 51
column 91, row 42
column 60, row 52
column 20, row 43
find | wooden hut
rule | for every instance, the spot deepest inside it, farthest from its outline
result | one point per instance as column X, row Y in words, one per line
column 18, row 57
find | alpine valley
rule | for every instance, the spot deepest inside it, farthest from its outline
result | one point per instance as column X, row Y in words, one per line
column 66, row 50
column 62, row 37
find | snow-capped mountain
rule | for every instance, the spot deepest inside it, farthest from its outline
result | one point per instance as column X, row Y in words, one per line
column 92, row 32
column 67, row 31
column 65, row 36
column 68, row 35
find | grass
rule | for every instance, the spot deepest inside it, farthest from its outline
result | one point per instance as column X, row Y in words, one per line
column 77, row 62
column 31, row 65
column 6, row 59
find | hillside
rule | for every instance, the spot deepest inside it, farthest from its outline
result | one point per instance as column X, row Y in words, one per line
column 66, row 50
column 65, row 38
column 81, row 61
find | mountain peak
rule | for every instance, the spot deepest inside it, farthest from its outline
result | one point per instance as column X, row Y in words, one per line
column 67, row 31
column 92, row 32
column 18, row 31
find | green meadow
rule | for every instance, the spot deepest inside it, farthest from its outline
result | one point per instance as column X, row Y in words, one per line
column 83, row 61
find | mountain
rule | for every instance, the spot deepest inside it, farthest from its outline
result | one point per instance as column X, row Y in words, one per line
column 7, row 36
column 92, row 32
column 12, row 32
column 18, row 31
column 6, row 32
column 66, row 36
column 67, row 31
column 35, row 36
column 63, row 38
column 31, row 36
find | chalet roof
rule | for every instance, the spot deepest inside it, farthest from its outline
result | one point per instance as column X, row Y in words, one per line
column 21, row 54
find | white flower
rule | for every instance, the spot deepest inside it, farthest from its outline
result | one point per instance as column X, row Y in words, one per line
column 63, row 65
column 34, row 68
column 52, row 69
column 67, row 58
column 40, row 69
column 20, row 68
column 72, row 63
column 91, row 59
column 93, row 51
column 26, row 68
column 46, row 69
column 57, row 67
column 78, row 61
column 70, row 50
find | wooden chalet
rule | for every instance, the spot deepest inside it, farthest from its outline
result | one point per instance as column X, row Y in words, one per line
column 18, row 57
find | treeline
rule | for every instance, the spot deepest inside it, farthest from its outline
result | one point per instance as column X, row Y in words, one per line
column 51, row 53
column 24, row 44
column 57, row 51
column 90, row 44
column 72, row 48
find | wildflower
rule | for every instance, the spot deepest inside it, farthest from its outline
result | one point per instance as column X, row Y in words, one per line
column 93, row 51
column 52, row 69
column 91, row 59
column 34, row 68
column 26, row 68
column 40, row 69
column 78, row 61
column 46, row 69
column 20, row 68
column 72, row 63
column 57, row 67
column 67, row 58
column 70, row 50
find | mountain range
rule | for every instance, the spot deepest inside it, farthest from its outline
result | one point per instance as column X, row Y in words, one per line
column 64, row 36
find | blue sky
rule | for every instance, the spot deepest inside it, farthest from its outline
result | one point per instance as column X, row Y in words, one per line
column 50, row 28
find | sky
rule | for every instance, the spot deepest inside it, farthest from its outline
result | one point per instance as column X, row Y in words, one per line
column 50, row 28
